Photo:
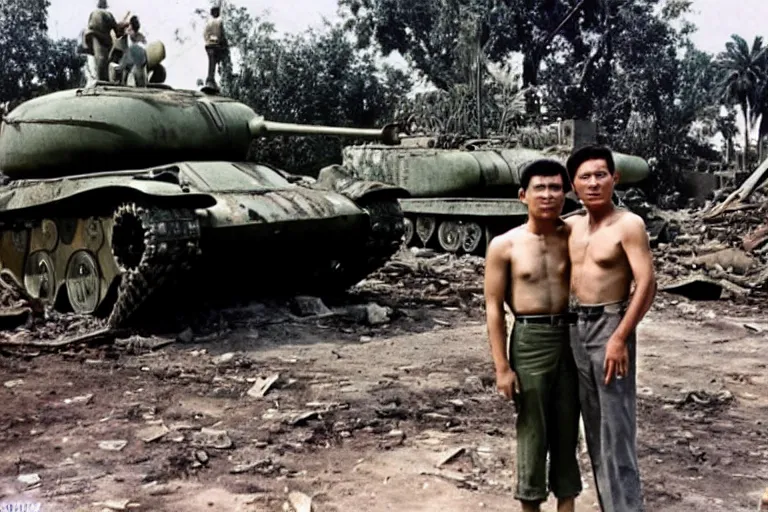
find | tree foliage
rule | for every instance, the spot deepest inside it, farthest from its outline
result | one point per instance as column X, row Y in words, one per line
column 316, row 77
column 428, row 33
column 31, row 63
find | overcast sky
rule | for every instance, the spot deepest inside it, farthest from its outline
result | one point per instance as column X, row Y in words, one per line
column 716, row 19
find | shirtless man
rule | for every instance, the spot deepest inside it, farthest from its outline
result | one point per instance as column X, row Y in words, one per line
column 609, row 250
column 528, row 269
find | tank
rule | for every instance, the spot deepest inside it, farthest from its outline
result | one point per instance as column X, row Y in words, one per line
column 123, row 199
column 460, row 198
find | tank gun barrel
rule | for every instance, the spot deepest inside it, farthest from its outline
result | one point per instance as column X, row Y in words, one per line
column 260, row 127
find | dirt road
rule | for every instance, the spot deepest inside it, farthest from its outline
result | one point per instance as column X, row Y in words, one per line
column 360, row 416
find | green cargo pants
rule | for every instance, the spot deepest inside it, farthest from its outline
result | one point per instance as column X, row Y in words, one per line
column 547, row 408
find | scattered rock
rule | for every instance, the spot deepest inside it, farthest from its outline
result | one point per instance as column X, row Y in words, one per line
column 300, row 501
column 186, row 336
column 210, row 438
column 115, row 504
column 263, row 385
column 29, row 479
column 84, row 399
column 225, row 358
column 376, row 314
column 113, row 446
column 152, row 433
column 448, row 456
column 473, row 384
column 309, row 306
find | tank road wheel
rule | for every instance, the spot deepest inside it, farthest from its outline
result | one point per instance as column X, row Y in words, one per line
column 425, row 228
column 409, row 231
column 39, row 276
column 450, row 235
column 50, row 235
column 472, row 236
column 83, row 282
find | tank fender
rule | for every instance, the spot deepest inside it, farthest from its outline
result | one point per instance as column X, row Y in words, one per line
column 94, row 193
column 342, row 180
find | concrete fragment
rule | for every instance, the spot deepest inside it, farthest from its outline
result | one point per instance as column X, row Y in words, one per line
column 29, row 479
column 210, row 438
column 84, row 399
column 225, row 358
column 114, row 504
column 376, row 314
column 152, row 433
column 300, row 501
column 727, row 259
column 695, row 287
column 113, row 446
column 449, row 455
column 262, row 386
column 309, row 306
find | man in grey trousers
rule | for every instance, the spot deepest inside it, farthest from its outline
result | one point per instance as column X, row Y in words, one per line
column 609, row 249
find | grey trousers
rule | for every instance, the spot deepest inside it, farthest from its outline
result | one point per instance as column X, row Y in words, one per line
column 608, row 411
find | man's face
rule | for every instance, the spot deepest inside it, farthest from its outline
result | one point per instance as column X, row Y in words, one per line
column 545, row 197
column 593, row 183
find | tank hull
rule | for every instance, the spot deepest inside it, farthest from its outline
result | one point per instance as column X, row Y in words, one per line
column 460, row 199
column 112, row 244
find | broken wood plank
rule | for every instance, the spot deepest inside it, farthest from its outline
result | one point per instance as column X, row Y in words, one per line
column 100, row 335
column 740, row 193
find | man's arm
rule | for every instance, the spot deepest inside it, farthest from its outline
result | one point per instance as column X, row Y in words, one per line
column 637, row 247
column 496, row 282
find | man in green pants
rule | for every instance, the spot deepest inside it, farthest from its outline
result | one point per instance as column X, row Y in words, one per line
column 528, row 268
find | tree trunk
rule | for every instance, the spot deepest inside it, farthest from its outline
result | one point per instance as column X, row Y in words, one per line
column 531, row 62
column 745, row 159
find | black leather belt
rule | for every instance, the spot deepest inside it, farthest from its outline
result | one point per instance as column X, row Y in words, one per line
column 553, row 320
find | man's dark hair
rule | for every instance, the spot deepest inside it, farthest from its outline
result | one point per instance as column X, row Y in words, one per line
column 102, row 4
column 544, row 167
column 590, row 153
column 215, row 11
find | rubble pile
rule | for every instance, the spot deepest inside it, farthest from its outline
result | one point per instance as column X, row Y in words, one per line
column 421, row 276
column 709, row 254
column 24, row 320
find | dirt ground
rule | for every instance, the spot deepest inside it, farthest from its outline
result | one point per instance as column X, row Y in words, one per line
column 360, row 416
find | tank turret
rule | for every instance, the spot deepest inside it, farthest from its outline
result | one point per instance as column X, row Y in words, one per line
column 107, row 127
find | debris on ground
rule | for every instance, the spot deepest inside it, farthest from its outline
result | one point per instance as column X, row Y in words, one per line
column 716, row 256
column 421, row 276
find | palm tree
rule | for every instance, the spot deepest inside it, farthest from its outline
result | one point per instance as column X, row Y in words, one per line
column 743, row 70
column 760, row 111
column 726, row 125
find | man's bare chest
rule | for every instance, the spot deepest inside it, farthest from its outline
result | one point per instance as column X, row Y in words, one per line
column 540, row 261
column 601, row 247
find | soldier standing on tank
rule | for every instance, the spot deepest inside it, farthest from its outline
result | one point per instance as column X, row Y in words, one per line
column 215, row 45
column 96, row 39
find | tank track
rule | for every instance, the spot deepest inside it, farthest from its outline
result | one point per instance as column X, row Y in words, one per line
column 169, row 250
column 387, row 231
column 384, row 240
